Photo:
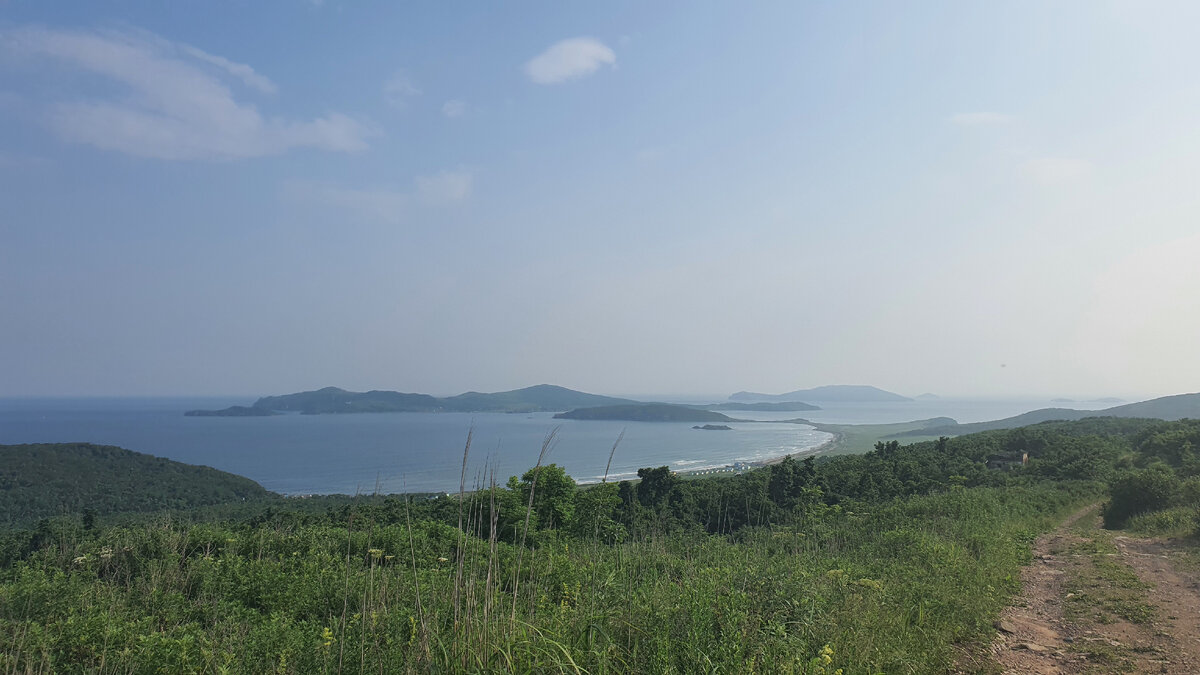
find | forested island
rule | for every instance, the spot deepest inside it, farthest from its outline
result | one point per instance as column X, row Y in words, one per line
column 332, row 400
column 899, row 559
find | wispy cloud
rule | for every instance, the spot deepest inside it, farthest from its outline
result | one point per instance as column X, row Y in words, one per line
column 1057, row 170
column 445, row 186
column 454, row 108
column 980, row 119
column 569, row 59
column 387, row 205
column 168, row 103
column 399, row 90
column 239, row 70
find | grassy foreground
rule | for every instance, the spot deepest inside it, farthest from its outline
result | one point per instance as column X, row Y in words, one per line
column 886, row 589
column 892, row 561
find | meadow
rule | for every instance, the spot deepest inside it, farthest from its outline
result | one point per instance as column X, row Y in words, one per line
column 895, row 561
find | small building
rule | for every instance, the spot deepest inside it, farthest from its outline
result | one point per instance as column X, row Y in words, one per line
column 1008, row 460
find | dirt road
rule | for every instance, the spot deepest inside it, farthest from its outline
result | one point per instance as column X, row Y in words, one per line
column 1094, row 601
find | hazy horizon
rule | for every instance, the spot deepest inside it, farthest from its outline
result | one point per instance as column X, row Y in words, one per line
column 972, row 200
column 644, row 396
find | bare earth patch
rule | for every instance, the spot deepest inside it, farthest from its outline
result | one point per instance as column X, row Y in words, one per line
column 1096, row 602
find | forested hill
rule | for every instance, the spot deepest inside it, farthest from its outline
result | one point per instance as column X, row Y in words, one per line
column 1170, row 408
column 538, row 398
column 44, row 480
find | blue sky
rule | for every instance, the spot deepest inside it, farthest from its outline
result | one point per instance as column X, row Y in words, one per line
column 237, row 197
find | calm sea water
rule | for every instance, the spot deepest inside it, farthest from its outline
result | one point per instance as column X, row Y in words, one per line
column 396, row 452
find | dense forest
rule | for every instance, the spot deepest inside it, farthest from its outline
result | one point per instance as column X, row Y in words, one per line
column 889, row 561
column 42, row 480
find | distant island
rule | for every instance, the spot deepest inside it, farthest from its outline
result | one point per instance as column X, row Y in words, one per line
column 834, row 393
column 645, row 412
column 714, row 427
column 332, row 400
column 782, row 406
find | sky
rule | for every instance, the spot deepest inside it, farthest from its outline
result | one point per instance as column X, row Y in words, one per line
column 969, row 199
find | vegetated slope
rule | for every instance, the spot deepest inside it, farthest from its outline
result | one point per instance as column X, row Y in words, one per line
column 50, row 479
column 332, row 400
column 646, row 412
column 833, row 393
column 1170, row 408
column 883, row 562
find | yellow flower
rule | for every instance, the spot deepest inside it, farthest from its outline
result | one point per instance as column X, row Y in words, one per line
column 327, row 638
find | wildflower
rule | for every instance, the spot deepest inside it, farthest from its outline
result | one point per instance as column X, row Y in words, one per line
column 327, row 638
column 81, row 560
column 825, row 655
column 106, row 552
column 375, row 553
column 442, row 560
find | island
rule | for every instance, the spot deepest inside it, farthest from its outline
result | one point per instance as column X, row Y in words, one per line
column 332, row 400
column 714, row 427
column 833, row 393
column 762, row 406
column 645, row 412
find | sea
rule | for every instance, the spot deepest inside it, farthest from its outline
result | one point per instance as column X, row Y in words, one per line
column 423, row 452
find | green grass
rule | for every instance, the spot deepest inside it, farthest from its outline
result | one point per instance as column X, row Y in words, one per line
column 1180, row 521
column 1105, row 588
column 851, row 439
column 889, row 588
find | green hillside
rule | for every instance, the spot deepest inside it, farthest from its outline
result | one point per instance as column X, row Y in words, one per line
column 51, row 479
column 898, row 560
column 1170, row 408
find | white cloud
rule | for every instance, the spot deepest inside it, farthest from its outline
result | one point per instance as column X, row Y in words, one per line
column 980, row 119
column 239, row 70
column 387, row 205
column 1056, row 170
column 568, row 60
column 454, row 108
column 171, row 106
column 446, row 186
column 399, row 89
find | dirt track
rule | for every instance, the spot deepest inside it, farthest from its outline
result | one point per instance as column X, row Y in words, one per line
column 1094, row 602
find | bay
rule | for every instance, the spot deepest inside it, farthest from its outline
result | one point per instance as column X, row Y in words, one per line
column 422, row 452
